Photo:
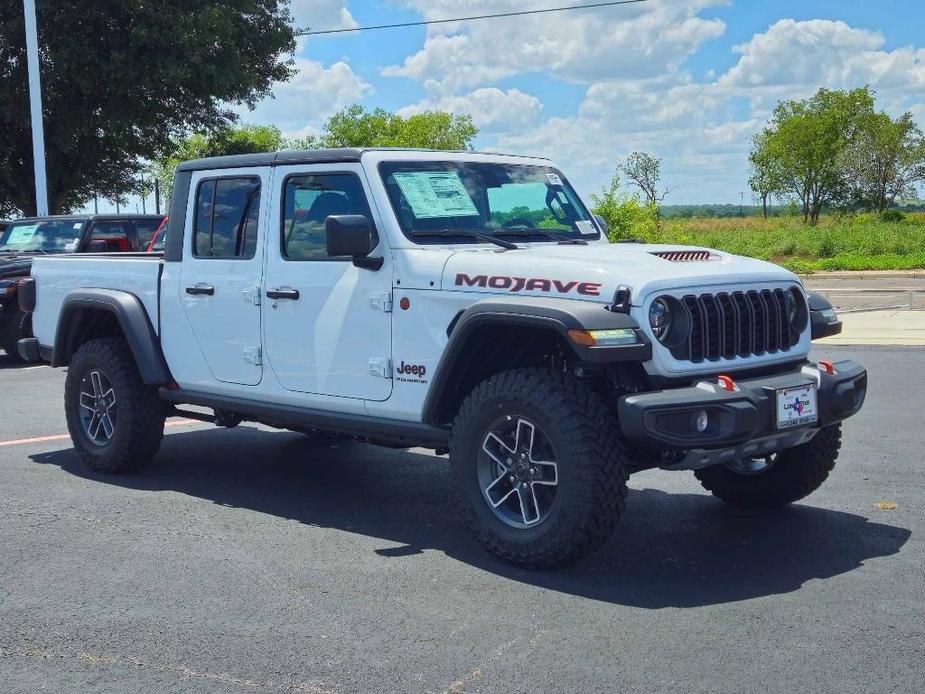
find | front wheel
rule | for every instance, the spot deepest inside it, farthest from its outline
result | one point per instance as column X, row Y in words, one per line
column 116, row 421
column 788, row 476
column 537, row 461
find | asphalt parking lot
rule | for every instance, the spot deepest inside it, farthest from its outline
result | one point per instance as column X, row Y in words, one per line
column 250, row 561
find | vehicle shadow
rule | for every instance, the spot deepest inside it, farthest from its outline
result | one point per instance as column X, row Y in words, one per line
column 670, row 550
column 7, row 363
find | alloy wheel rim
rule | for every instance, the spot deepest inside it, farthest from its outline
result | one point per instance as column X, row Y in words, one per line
column 517, row 472
column 97, row 409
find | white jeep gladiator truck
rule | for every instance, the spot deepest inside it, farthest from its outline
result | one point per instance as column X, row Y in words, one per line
column 464, row 302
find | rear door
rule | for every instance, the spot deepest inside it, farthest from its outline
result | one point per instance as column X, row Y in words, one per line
column 329, row 331
column 220, row 277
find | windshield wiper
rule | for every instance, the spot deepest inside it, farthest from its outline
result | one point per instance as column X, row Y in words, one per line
column 531, row 231
column 467, row 233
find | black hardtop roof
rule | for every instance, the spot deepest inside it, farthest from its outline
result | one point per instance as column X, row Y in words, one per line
column 91, row 217
column 304, row 156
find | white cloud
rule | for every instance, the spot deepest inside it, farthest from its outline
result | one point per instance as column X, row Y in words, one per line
column 491, row 108
column 794, row 58
column 625, row 42
column 314, row 93
column 321, row 14
column 703, row 130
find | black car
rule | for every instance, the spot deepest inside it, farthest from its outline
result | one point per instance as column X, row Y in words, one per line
column 23, row 239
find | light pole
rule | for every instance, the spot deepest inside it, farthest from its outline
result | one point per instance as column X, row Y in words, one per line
column 35, row 104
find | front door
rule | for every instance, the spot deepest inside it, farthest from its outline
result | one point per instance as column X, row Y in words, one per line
column 327, row 326
column 220, row 280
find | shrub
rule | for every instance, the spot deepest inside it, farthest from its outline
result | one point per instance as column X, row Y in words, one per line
column 892, row 216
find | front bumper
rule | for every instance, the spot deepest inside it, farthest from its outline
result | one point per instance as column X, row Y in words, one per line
column 664, row 420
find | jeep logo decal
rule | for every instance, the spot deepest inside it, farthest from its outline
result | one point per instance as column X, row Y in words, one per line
column 516, row 284
column 411, row 373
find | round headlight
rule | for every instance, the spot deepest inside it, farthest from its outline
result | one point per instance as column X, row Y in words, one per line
column 660, row 319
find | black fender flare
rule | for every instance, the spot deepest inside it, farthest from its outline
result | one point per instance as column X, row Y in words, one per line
column 132, row 318
column 559, row 315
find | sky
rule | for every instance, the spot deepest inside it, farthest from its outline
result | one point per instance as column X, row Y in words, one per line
column 690, row 81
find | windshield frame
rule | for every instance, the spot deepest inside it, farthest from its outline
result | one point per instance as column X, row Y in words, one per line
column 386, row 167
column 78, row 234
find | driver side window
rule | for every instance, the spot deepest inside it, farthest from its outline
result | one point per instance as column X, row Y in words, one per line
column 308, row 201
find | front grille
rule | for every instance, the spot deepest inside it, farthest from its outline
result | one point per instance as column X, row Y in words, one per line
column 735, row 324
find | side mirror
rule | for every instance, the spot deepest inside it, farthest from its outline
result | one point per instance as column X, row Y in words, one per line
column 96, row 246
column 601, row 222
column 351, row 235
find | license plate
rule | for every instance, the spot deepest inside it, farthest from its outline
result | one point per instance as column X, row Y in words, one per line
column 796, row 406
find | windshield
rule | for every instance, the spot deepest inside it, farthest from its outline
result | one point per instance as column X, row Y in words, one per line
column 52, row 236
column 489, row 198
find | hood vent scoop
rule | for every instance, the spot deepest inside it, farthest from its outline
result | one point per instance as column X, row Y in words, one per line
column 686, row 256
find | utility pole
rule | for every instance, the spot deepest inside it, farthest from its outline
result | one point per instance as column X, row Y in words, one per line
column 96, row 205
column 157, row 196
column 35, row 107
column 741, row 204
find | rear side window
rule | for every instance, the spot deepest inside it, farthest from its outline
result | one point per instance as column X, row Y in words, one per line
column 227, row 210
column 145, row 229
column 112, row 234
column 308, row 201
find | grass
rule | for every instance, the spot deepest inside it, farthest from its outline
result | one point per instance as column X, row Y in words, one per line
column 855, row 242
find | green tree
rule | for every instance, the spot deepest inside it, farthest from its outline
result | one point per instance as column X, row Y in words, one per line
column 885, row 161
column 228, row 139
column 354, row 126
column 807, row 140
column 625, row 215
column 765, row 175
column 122, row 78
column 645, row 172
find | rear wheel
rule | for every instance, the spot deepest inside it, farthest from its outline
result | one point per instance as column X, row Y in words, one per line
column 786, row 477
column 537, row 462
column 116, row 421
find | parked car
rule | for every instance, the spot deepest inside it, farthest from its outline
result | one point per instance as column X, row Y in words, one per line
column 23, row 239
column 464, row 302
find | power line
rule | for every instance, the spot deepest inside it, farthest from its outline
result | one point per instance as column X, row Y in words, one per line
column 467, row 19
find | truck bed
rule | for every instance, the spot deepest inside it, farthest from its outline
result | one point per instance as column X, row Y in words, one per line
column 136, row 273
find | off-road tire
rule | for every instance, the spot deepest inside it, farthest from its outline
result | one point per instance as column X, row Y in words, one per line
column 592, row 480
column 796, row 473
column 139, row 425
column 11, row 330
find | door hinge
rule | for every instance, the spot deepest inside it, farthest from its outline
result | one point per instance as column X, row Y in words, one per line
column 380, row 367
column 253, row 355
column 252, row 295
column 381, row 301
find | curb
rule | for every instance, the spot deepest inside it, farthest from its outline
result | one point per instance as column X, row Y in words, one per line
column 867, row 275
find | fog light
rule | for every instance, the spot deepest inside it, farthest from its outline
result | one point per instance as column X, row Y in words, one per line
column 701, row 421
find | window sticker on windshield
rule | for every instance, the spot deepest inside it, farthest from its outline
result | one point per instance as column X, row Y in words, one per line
column 77, row 225
column 434, row 194
column 21, row 235
column 586, row 227
column 554, row 179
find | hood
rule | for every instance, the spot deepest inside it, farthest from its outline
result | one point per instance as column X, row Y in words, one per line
column 15, row 266
column 594, row 272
